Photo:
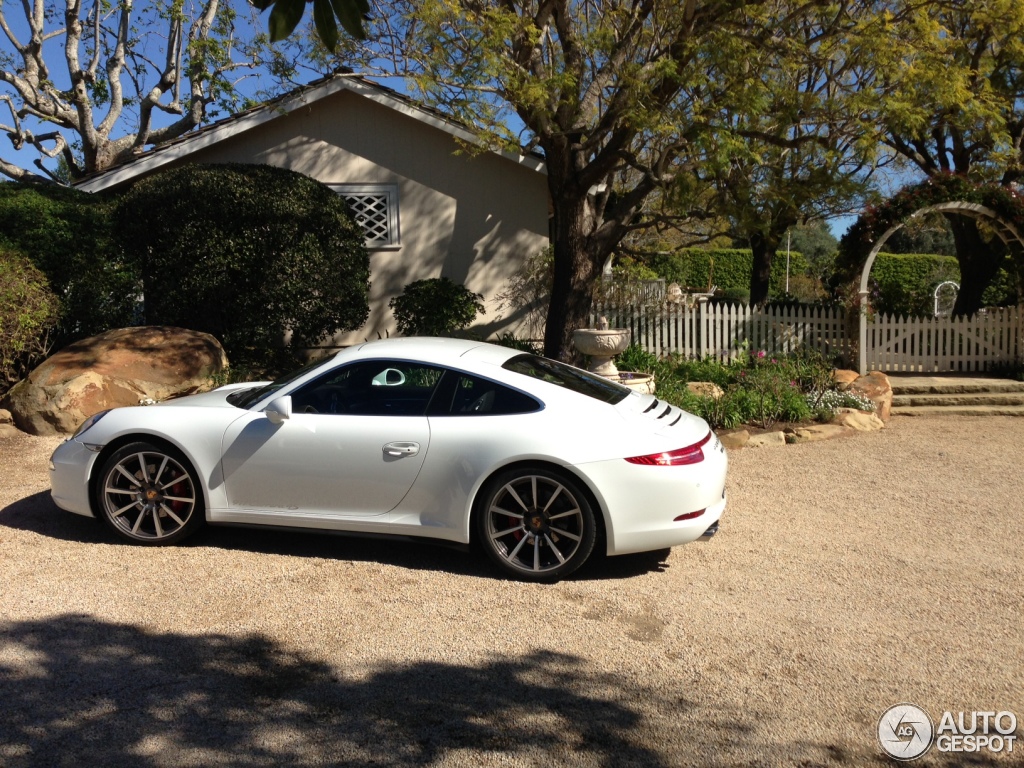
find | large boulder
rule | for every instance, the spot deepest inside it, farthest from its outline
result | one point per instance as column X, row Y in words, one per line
column 844, row 378
column 876, row 388
column 117, row 368
column 7, row 428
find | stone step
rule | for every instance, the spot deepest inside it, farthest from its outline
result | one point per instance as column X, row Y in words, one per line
column 960, row 410
column 961, row 399
column 942, row 385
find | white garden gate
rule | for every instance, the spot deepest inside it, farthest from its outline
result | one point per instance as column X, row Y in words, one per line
column 989, row 339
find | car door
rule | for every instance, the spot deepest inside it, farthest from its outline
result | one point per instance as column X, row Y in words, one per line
column 352, row 447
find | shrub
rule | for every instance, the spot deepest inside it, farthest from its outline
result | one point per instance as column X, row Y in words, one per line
column 904, row 283
column 512, row 341
column 724, row 412
column 636, row 358
column 29, row 311
column 706, row 369
column 248, row 253
column 435, row 307
column 67, row 235
column 733, row 296
column 767, row 397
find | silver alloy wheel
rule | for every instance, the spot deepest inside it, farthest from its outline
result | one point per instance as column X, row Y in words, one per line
column 148, row 495
column 535, row 524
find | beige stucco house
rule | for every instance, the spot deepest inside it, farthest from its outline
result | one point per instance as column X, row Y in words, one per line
column 429, row 207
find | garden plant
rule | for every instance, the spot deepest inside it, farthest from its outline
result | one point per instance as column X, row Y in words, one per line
column 758, row 389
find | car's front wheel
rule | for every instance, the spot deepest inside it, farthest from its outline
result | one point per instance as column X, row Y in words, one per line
column 536, row 524
column 148, row 494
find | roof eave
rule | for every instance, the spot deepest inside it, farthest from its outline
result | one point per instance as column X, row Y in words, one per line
column 159, row 157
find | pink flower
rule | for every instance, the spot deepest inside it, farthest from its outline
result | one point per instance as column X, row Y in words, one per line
column 761, row 354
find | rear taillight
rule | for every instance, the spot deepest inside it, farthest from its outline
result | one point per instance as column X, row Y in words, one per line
column 691, row 454
column 689, row 515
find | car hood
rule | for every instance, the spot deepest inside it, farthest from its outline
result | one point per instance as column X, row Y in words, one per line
column 216, row 398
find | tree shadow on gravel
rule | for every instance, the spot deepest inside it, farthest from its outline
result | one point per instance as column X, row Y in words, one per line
column 78, row 691
column 38, row 513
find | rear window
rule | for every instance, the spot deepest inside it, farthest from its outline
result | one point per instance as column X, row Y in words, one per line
column 562, row 375
column 474, row 396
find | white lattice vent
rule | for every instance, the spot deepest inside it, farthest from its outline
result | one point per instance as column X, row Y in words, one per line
column 375, row 210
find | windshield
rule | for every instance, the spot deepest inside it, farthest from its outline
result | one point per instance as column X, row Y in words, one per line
column 562, row 375
column 244, row 398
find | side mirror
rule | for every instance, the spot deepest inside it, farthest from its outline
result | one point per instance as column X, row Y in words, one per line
column 279, row 409
column 389, row 377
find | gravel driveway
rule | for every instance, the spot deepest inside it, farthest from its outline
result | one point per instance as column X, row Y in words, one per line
column 848, row 576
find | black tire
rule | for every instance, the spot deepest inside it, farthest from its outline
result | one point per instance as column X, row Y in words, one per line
column 535, row 523
column 149, row 494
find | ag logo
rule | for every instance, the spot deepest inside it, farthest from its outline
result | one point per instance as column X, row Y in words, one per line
column 905, row 732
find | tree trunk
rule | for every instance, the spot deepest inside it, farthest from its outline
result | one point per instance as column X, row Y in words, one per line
column 979, row 263
column 576, row 269
column 763, row 247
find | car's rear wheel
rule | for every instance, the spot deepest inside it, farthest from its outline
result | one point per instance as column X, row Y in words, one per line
column 148, row 494
column 536, row 524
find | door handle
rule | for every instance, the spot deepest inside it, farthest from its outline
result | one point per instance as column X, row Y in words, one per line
column 401, row 449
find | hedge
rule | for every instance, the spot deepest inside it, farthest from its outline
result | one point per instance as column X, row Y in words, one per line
column 904, row 283
column 248, row 253
column 67, row 235
column 728, row 268
column 901, row 283
column 29, row 310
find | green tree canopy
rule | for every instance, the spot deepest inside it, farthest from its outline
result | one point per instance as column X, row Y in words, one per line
column 953, row 89
column 793, row 145
column 623, row 98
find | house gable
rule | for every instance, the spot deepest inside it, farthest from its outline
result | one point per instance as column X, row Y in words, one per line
column 471, row 216
column 176, row 150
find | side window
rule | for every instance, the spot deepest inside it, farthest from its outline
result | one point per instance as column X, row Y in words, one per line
column 475, row 396
column 370, row 388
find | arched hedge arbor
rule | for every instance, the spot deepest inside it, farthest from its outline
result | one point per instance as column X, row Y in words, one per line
column 1002, row 208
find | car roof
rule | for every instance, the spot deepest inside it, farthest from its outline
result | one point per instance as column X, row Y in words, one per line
column 432, row 349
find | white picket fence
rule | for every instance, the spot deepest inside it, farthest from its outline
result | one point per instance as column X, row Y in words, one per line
column 914, row 344
column 945, row 344
column 724, row 331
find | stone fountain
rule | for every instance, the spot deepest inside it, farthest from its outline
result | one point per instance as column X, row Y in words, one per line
column 601, row 345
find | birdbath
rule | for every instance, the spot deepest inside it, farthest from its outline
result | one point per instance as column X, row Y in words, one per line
column 602, row 344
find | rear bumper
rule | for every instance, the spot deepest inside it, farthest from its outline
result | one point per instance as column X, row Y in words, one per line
column 642, row 503
column 667, row 534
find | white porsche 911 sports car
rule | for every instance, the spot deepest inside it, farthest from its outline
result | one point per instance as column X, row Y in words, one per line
column 534, row 460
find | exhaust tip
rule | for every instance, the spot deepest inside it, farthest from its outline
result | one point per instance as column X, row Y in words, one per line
column 711, row 531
